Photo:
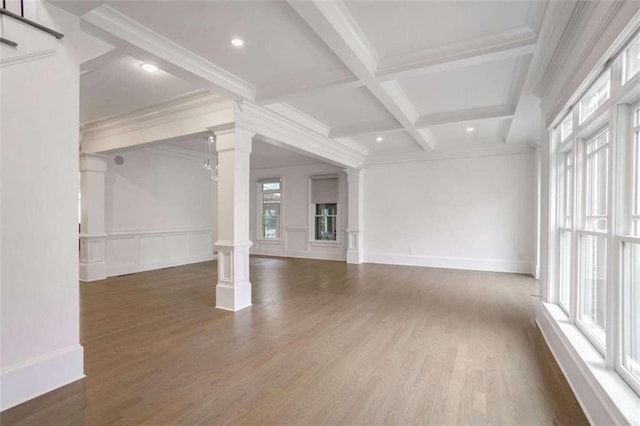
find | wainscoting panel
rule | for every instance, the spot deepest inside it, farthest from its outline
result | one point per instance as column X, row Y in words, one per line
column 136, row 251
column 296, row 244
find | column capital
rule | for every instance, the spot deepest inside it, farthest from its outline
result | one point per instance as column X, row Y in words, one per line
column 232, row 128
column 353, row 174
column 93, row 163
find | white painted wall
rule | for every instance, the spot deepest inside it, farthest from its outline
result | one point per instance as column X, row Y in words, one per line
column 296, row 229
column 468, row 213
column 158, row 211
column 39, row 332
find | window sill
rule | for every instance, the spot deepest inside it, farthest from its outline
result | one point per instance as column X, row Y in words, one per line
column 603, row 395
column 269, row 240
column 329, row 243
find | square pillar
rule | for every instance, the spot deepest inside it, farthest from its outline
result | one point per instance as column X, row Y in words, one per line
column 92, row 228
column 233, row 290
column 355, row 193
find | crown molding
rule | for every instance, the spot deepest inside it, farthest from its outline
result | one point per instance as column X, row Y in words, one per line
column 300, row 117
column 512, row 43
column 495, row 150
column 175, row 151
column 124, row 32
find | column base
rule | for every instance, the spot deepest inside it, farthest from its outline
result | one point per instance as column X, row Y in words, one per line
column 233, row 297
column 354, row 257
column 93, row 271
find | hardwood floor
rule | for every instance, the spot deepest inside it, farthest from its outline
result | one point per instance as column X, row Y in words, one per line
column 324, row 343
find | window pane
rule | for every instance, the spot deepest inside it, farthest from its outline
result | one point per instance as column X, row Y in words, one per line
column 632, row 59
column 592, row 286
column 595, row 97
column 270, row 222
column 268, row 186
column 325, row 228
column 566, row 127
column 596, row 189
column 631, row 310
column 565, row 183
column 326, row 209
column 564, row 262
column 271, row 197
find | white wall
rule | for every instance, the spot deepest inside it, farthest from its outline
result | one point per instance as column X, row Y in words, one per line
column 158, row 211
column 40, row 346
column 469, row 213
column 296, row 230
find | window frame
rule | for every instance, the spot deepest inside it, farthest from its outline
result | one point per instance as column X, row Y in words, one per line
column 260, row 235
column 311, row 234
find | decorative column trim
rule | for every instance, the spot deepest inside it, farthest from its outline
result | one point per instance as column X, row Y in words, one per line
column 93, row 265
column 355, row 249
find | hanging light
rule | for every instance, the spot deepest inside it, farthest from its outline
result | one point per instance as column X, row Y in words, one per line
column 211, row 162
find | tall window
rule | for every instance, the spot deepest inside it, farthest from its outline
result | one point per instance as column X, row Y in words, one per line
column 324, row 201
column 597, row 274
column 629, row 366
column 271, row 201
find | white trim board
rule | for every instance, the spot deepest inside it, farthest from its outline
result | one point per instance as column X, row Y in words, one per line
column 493, row 265
column 299, row 254
column 37, row 376
column 604, row 397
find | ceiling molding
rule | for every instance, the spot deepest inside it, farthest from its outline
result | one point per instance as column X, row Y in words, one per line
column 535, row 17
column 331, row 21
column 280, row 131
column 378, row 126
column 131, row 36
column 175, row 151
column 494, row 112
column 494, row 150
column 300, row 117
column 494, row 47
column 99, row 61
column 519, row 77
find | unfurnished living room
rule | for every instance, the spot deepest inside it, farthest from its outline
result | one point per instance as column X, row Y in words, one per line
column 320, row 212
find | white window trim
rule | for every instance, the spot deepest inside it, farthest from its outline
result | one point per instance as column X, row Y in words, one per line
column 614, row 389
column 260, row 210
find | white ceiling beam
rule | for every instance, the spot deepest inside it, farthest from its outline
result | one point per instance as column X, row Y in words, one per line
column 333, row 23
column 99, row 61
column 509, row 44
column 133, row 38
column 495, row 112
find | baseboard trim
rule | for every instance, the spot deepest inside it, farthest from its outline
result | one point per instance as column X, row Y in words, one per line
column 37, row 376
column 512, row 266
column 604, row 397
column 300, row 255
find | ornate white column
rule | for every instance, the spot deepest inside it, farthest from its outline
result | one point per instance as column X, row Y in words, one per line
column 355, row 180
column 92, row 232
column 233, row 291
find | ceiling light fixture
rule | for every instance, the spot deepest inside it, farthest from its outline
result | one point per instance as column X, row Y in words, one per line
column 149, row 67
column 470, row 129
column 379, row 139
column 237, row 42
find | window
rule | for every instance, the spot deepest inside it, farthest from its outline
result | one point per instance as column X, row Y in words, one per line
column 595, row 97
column 566, row 127
column 631, row 60
column 324, row 201
column 592, row 287
column 631, row 313
column 325, row 221
column 271, row 201
column 596, row 182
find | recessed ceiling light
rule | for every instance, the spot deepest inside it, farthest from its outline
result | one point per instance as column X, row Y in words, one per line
column 379, row 139
column 237, row 42
column 149, row 67
column 470, row 129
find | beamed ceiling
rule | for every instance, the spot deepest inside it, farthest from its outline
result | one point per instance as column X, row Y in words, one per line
column 419, row 75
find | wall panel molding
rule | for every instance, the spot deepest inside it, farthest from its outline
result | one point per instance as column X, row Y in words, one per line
column 144, row 250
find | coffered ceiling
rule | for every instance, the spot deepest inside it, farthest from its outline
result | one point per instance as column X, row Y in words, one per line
column 397, row 77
